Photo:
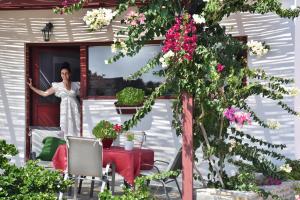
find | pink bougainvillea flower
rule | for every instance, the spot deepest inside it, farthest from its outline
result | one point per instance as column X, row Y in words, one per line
column 142, row 18
column 238, row 117
column 229, row 114
column 220, row 67
column 181, row 37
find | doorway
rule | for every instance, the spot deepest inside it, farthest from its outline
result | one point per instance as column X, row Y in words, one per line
column 43, row 65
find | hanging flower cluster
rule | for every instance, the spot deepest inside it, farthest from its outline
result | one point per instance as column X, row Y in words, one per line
column 236, row 116
column 181, row 37
column 119, row 45
column 97, row 18
column 258, row 48
column 133, row 18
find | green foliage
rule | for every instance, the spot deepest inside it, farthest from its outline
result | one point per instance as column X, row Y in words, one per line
column 130, row 96
column 295, row 173
column 28, row 182
column 104, row 129
column 141, row 189
column 129, row 136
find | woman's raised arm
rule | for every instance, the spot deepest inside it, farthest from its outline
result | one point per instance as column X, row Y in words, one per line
column 40, row 92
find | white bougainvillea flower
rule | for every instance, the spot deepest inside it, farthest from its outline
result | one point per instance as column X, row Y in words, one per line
column 257, row 48
column 97, row 18
column 273, row 124
column 199, row 19
column 294, row 91
column 165, row 60
column 233, row 144
column 286, row 168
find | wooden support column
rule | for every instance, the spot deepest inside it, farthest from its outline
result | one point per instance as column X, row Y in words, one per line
column 187, row 147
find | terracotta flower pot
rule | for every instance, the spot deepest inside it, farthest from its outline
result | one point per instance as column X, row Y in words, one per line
column 107, row 142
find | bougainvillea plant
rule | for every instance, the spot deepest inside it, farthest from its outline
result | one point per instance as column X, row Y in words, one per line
column 199, row 58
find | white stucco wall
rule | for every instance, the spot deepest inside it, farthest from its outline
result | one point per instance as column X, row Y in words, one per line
column 19, row 27
column 297, row 82
column 279, row 34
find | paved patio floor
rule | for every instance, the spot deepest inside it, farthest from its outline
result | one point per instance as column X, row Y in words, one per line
column 156, row 190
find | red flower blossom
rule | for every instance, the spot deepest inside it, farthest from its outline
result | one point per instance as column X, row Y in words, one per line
column 220, row 67
column 118, row 128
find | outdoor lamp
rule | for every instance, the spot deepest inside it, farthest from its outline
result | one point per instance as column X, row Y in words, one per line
column 47, row 30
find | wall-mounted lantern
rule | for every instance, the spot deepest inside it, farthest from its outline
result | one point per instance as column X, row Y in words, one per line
column 47, row 31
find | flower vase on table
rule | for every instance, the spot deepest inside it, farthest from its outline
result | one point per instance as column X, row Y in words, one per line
column 106, row 132
column 129, row 141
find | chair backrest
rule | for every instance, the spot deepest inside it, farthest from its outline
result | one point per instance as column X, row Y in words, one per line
column 38, row 134
column 139, row 138
column 176, row 162
column 84, row 156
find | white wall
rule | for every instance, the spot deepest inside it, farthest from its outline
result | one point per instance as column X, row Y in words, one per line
column 297, row 82
column 19, row 27
column 279, row 34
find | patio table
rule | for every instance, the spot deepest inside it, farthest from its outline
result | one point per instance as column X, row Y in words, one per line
column 128, row 163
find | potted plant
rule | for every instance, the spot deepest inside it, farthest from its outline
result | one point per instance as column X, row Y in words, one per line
column 129, row 141
column 129, row 99
column 107, row 132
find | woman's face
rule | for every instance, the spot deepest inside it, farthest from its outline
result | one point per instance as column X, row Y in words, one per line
column 65, row 74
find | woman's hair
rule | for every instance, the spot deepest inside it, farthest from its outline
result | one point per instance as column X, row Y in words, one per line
column 66, row 66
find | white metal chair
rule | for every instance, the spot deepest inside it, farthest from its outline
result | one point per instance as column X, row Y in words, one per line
column 84, row 156
column 174, row 165
column 139, row 138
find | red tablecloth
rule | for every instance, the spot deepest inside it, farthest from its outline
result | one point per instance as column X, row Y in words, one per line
column 128, row 163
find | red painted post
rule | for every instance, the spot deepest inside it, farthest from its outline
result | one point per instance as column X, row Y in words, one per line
column 187, row 147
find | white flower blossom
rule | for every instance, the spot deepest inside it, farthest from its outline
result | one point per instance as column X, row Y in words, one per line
column 198, row 19
column 97, row 18
column 257, row 48
column 294, row 91
column 106, row 62
column 286, row 168
column 233, row 144
column 113, row 48
column 165, row 60
column 124, row 48
column 273, row 124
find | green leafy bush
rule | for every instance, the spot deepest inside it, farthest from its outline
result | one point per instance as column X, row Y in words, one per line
column 29, row 182
column 105, row 129
column 130, row 96
column 141, row 190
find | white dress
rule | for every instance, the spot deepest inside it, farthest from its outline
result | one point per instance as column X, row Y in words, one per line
column 69, row 108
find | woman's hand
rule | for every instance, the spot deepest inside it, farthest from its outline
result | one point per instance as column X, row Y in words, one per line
column 29, row 83
column 40, row 92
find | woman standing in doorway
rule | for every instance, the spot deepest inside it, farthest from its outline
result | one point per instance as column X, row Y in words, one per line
column 69, row 105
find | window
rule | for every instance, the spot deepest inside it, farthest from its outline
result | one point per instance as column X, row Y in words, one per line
column 108, row 79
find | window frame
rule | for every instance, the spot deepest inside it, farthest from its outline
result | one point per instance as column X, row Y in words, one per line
column 89, row 97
